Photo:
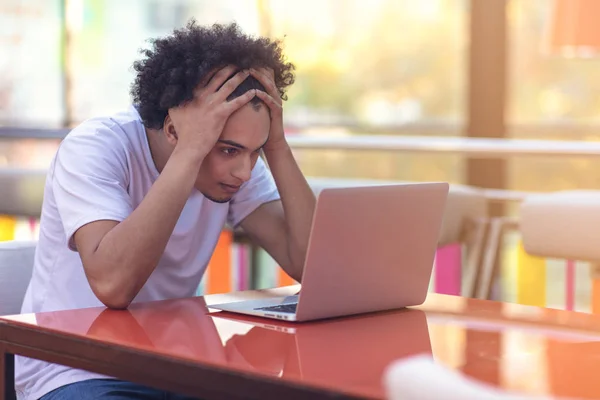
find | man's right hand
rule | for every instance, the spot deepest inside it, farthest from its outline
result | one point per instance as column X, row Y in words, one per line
column 199, row 123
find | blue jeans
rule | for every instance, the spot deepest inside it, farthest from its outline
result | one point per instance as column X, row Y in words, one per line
column 109, row 389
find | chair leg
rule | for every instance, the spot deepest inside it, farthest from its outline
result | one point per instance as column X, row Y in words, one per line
column 475, row 240
column 490, row 261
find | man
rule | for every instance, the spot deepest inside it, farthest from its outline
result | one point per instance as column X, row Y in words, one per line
column 134, row 203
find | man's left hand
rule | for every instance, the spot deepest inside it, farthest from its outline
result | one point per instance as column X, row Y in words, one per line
column 273, row 100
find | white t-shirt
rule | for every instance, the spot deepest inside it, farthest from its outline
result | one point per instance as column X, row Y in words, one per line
column 102, row 170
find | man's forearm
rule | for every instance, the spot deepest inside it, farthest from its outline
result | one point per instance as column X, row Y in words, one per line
column 130, row 252
column 298, row 202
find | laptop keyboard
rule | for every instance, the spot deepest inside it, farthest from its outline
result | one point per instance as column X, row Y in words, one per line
column 282, row 308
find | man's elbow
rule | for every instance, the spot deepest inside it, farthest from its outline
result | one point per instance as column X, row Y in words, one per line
column 112, row 297
column 116, row 304
column 110, row 288
column 111, row 294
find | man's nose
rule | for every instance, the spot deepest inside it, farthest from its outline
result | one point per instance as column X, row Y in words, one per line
column 243, row 169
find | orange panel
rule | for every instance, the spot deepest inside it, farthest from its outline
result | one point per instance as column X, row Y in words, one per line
column 570, row 362
column 219, row 267
column 596, row 296
column 284, row 279
column 574, row 24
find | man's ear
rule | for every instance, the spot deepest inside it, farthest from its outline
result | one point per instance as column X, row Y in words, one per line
column 169, row 130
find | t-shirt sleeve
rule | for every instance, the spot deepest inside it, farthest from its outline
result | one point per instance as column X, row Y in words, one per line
column 259, row 189
column 90, row 180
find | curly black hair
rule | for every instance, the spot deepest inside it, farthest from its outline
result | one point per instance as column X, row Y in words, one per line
column 174, row 66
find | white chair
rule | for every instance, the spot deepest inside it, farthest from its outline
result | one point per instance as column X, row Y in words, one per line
column 562, row 225
column 16, row 265
column 421, row 378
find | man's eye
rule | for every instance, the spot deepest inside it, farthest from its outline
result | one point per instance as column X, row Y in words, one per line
column 229, row 151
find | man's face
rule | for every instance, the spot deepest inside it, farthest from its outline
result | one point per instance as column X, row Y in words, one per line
column 230, row 163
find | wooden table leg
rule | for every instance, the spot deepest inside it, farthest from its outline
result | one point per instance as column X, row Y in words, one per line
column 3, row 372
column 7, row 375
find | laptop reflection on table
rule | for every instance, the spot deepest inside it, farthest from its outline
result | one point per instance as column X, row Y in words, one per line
column 350, row 353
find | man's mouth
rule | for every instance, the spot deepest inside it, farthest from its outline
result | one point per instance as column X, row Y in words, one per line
column 229, row 188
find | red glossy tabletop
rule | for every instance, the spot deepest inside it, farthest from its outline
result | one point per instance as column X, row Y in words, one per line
column 528, row 349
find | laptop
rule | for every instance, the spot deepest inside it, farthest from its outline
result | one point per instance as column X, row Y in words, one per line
column 370, row 249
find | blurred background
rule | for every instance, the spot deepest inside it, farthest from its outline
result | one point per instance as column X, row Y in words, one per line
column 422, row 81
column 391, row 67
